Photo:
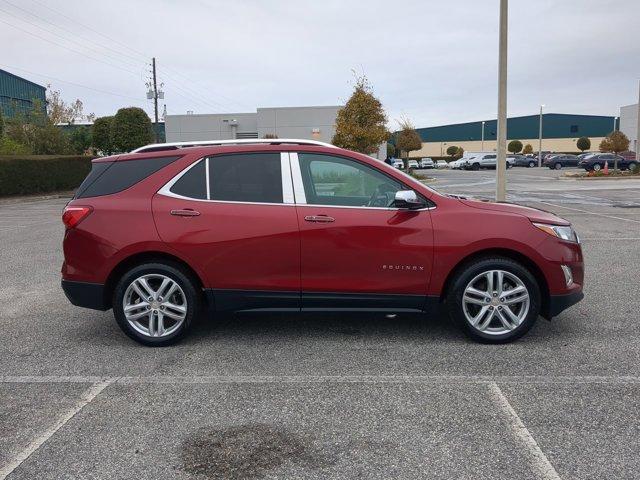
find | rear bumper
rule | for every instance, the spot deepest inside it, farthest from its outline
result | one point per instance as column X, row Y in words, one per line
column 559, row 303
column 86, row 295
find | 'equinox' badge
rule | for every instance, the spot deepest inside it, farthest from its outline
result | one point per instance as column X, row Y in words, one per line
column 415, row 268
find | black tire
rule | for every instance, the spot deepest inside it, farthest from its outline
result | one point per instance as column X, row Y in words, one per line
column 558, row 166
column 631, row 166
column 596, row 167
column 475, row 166
column 175, row 272
column 468, row 272
column 532, row 164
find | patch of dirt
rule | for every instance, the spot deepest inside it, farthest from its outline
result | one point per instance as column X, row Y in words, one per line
column 247, row 452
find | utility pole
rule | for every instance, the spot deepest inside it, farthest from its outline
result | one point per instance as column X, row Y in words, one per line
column 540, row 139
column 501, row 165
column 482, row 147
column 615, row 123
column 155, row 99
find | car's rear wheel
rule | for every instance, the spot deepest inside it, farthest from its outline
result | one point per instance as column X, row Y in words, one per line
column 632, row 165
column 532, row 164
column 597, row 167
column 494, row 300
column 475, row 166
column 558, row 166
column 155, row 303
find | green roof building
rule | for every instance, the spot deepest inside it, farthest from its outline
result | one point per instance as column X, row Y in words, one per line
column 19, row 95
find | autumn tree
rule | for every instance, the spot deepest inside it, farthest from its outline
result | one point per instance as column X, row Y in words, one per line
column 583, row 144
column 514, row 146
column 361, row 123
column 270, row 135
column 615, row 142
column 407, row 139
column 131, row 129
column 58, row 111
column 528, row 149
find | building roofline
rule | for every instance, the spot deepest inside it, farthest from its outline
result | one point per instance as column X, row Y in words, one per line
column 22, row 78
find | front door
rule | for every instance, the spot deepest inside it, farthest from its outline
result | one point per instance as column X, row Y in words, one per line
column 357, row 250
column 234, row 216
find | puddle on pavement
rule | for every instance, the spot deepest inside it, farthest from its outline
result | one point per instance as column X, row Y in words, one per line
column 248, row 452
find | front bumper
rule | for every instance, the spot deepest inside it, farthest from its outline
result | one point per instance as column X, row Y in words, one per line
column 559, row 303
column 86, row 295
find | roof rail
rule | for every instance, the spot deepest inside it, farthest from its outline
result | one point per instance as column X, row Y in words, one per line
column 157, row 147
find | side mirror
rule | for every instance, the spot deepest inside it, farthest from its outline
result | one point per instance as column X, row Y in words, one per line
column 408, row 199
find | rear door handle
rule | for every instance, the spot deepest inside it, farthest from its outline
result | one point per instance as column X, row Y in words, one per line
column 187, row 212
column 319, row 218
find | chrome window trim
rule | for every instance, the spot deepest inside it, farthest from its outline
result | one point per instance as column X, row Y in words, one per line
column 166, row 189
column 206, row 169
column 287, row 183
column 298, row 186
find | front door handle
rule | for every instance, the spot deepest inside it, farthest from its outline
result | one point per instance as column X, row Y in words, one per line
column 187, row 212
column 319, row 218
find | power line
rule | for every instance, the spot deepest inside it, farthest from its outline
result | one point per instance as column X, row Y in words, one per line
column 66, row 47
column 9, row 67
column 64, row 37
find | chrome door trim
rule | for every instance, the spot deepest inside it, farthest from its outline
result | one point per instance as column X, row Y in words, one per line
column 166, row 189
column 287, row 183
column 298, row 186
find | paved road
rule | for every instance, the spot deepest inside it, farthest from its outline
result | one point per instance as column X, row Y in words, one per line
column 327, row 396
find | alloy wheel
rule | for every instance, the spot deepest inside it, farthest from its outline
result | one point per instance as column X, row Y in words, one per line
column 154, row 305
column 495, row 302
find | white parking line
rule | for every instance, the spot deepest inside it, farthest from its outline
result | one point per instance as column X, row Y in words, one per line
column 86, row 398
column 539, row 460
column 592, row 213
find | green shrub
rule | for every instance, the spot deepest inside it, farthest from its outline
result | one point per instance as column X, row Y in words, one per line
column 25, row 175
column 11, row 147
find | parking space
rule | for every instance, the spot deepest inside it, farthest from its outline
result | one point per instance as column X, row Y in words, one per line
column 318, row 396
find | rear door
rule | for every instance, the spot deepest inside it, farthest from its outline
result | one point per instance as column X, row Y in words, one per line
column 357, row 250
column 234, row 215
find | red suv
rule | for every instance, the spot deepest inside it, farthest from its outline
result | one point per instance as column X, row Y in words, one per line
column 298, row 226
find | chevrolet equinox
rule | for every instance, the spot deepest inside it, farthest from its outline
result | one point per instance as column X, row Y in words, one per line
column 169, row 230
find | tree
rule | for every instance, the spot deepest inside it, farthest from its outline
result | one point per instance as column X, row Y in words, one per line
column 60, row 112
column 101, row 135
column 131, row 129
column 514, row 146
column 1, row 124
column 80, row 140
column 361, row 123
column 460, row 152
column 407, row 139
column 583, row 144
column 528, row 149
column 615, row 142
column 270, row 135
column 452, row 151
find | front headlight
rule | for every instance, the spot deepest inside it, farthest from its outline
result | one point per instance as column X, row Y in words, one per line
column 563, row 232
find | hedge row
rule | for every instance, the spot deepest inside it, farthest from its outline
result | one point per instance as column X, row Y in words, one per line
column 25, row 175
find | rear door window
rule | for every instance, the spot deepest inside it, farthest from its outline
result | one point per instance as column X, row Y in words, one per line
column 247, row 177
column 118, row 176
column 193, row 183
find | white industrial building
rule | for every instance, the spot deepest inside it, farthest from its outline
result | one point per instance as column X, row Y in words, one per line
column 310, row 123
column 629, row 124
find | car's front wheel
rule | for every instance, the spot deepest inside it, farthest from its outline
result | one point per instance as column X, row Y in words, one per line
column 532, row 164
column 494, row 300
column 155, row 303
column 558, row 166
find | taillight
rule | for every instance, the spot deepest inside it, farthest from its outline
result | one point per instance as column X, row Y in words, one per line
column 72, row 216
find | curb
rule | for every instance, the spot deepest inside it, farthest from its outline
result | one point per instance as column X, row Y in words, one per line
column 35, row 198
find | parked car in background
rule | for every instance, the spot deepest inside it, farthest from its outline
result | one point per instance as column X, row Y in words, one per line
column 522, row 161
column 596, row 162
column 413, row 164
column 458, row 164
column 442, row 164
column 556, row 162
column 210, row 228
column 628, row 155
column 397, row 163
column 426, row 163
column 488, row 160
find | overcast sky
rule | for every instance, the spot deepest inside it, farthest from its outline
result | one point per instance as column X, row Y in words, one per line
column 434, row 62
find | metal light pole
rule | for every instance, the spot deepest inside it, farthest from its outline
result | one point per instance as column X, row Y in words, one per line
column 614, row 123
column 501, row 160
column 540, row 139
column 482, row 147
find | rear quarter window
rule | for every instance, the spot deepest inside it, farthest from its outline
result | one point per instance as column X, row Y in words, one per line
column 106, row 178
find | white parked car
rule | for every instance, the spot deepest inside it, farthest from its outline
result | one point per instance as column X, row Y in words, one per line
column 413, row 164
column 442, row 164
column 458, row 164
column 426, row 163
column 397, row 163
column 485, row 160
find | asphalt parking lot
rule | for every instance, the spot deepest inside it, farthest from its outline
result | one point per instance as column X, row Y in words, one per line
column 316, row 396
